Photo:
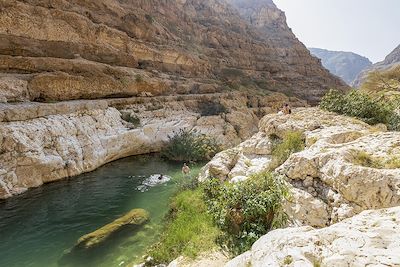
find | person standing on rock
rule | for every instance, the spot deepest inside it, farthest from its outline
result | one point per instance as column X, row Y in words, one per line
column 286, row 109
column 185, row 170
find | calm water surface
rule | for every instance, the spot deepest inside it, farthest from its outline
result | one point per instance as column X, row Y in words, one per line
column 37, row 227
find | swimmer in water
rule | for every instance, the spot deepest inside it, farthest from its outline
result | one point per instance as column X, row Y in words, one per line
column 160, row 177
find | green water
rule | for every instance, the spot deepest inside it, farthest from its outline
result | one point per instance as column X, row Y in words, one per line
column 38, row 226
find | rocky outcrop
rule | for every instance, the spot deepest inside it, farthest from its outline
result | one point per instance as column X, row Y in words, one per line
column 327, row 182
column 346, row 65
column 216, row 259
column 367, row 239
column 271, row 23
column 68, row 50
column 42, row 143
column 392, row 60
column 77, row 77
column 345, row 191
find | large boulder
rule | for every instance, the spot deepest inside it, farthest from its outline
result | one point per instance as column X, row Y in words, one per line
column 368, row 239
column 327, row 181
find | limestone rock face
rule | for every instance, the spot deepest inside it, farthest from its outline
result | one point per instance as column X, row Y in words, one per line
column 68, row 50
column 370, row 238
column 326, row 181
column 216, row 259
column 42, row 143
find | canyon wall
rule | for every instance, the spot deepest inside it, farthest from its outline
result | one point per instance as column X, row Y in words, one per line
column 83, row 83
column 391, row 61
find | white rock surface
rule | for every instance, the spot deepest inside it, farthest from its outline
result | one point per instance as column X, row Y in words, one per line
column 368, row 239
column 326, row 185
column 44, row 149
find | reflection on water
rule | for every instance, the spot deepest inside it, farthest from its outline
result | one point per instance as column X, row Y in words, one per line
column 38, row 227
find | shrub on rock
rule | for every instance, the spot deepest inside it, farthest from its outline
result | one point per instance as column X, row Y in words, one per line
column 247, row 210
column 372, row 110
column 190, row 146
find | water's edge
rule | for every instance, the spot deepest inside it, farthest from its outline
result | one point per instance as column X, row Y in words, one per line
column 39, row 225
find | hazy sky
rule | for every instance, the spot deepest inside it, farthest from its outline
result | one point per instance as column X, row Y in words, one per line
column 367, row 27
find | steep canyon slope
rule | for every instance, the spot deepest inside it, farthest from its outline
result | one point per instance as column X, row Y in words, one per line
column 346, row 65
column 86, row 82
column 45, row 42
column 392, row 60
column 343, row 210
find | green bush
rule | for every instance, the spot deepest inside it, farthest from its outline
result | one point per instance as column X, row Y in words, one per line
column 189, row 229
column 364, row 159
column 131, row 118
column 360, row 105
column 149, row 18
column 190, row 146
column 246, row 210
column 211, row 108
column 282, row 149
column 138, row 78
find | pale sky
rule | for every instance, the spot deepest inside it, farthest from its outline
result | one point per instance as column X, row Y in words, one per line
column 370, row 28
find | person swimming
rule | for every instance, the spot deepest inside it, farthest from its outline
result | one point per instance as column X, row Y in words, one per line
column 161, row 177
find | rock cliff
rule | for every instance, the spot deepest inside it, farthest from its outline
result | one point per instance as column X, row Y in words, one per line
column 344, row 206
column 366, row 239
column 327, row 182
column 346, row 65
column 391, row 60
column 44, row 142
column 66, row 50
column 83, row 83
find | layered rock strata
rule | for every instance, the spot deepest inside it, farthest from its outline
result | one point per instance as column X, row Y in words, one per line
column 326, row 180
column 68, row 50
column 42, row 143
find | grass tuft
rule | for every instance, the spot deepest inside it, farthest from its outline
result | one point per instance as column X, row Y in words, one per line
column 189, row 230
column 292, row 142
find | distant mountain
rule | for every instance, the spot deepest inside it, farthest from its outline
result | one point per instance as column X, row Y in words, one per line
column 391, row 60
column 346, row 65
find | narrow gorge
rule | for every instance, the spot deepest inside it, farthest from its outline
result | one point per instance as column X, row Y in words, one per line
column 91, row 92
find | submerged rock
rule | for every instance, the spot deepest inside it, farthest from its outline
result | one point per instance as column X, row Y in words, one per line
column 134, row 217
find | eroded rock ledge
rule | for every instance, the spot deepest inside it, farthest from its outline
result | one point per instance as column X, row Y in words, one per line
column 368, row 239
column 327, row 183
column 344, row 213
column 45, row 142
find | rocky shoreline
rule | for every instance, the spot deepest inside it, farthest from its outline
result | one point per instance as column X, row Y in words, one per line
column 46, row 142
column 329, row 187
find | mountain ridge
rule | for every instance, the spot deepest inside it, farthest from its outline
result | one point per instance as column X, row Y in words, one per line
column 346, row 65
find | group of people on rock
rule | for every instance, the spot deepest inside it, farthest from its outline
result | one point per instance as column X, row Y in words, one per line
column 285, row 110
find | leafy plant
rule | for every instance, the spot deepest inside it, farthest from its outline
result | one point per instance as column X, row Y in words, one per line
column 189, row 231
column 131, row 118
column 149, row 18
column 190, row 146
column 246, row 210
column 211, row 108
column 138, row 78
column 364, row 159
column 378, row 81
column 361, row 105
column 282, row 149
